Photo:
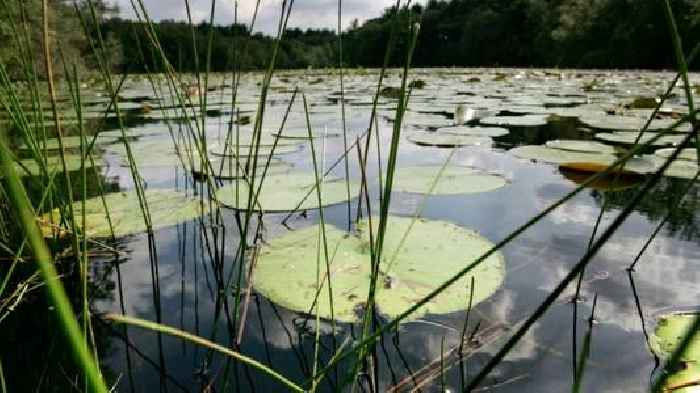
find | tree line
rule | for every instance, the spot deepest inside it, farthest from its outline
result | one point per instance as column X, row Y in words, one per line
column 517, row 33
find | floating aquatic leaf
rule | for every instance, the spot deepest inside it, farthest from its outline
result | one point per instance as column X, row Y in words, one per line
column 302, row 133
column 432, row 252
column 448, row 140
column 669, row 331
column 683, row 169
column 611, row 182
column 628, row 138
column 630, row 123
column 688, row 154
column 281, row 193
column 667, row 336
column 453, row 180
column 69, row 142
column 491, row 132
column 225, row 168
column 515, row 121
column 54, row 163
column 582, row 146
column 559, row 156
column 246, row 151
column 633, row 166
column 166, row 208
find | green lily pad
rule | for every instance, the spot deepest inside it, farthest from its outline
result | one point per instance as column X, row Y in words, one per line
column 628, row 138
column 69, row 142
column 166, row 207
column 54, row 163
column 668, row 333
column 670, row 330
column 688, row 154
column 582, row 146
column 448, row 140
column 491, row 132
column 247, row 151
column 682, row 169
column 225, row 168
column 299, row 133
column 432, row 252
column 559, row 156
column 630, row 123
column 515, row 121
column 282, row 193
column 453, row 180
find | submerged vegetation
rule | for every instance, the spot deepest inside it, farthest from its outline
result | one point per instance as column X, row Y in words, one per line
column 170, row 221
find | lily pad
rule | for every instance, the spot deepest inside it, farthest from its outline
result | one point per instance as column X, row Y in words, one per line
column 248, row 151
column 682, row 169
column 559, row 156
column 69, row 142
column 225, row 168
column 515, row 121
column 448, row 140
column 432, row 252
column 628, row 138
column 630, row 123
column 166, row 207
column 582, row 146
column 688, row 154
column 453, row 180
column 668, row 333
column 667, row 336
column 54, row 163
column 282, row 193
column 491, row 132
column 610, row 182
column 299, row 133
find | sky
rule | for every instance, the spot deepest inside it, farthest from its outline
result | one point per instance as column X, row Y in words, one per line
column 305, row 13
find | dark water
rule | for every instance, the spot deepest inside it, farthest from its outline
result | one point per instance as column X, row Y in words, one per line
column 181, row 286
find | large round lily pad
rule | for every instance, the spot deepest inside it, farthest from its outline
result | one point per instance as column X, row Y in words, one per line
column 628, row 138
column 54, row 163
column 631, row 123
column 247, row 151
column 453, row 180
column 682, row 169
column 226, row 168
column 303, row 133
column 582, row 146
column 688, row 154
column 166, row 207
column 69, row 142
column 282, row 193
column 491, row 132
column 515, row 121
column 432, row 252
column 448, row 140
column 669, row 331
column 667, row 336
column 559, row 156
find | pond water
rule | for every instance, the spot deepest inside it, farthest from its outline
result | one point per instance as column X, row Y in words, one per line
column 178, row 277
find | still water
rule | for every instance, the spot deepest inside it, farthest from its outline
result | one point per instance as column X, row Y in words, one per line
column 179, row 280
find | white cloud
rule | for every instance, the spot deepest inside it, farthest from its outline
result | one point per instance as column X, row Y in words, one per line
column 305, row 14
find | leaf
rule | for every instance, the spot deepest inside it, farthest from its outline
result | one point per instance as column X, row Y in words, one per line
column 448, row 140
column 166, row 207
column 282, row 193
column 453, row 180
column 432, row 252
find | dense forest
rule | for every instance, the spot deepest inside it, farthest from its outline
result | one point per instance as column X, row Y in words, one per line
column 526, row 33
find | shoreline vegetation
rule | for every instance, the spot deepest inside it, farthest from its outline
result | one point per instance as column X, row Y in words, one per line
column 456, row 33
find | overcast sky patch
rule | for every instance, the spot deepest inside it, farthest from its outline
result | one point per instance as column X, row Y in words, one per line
column 305, row 14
